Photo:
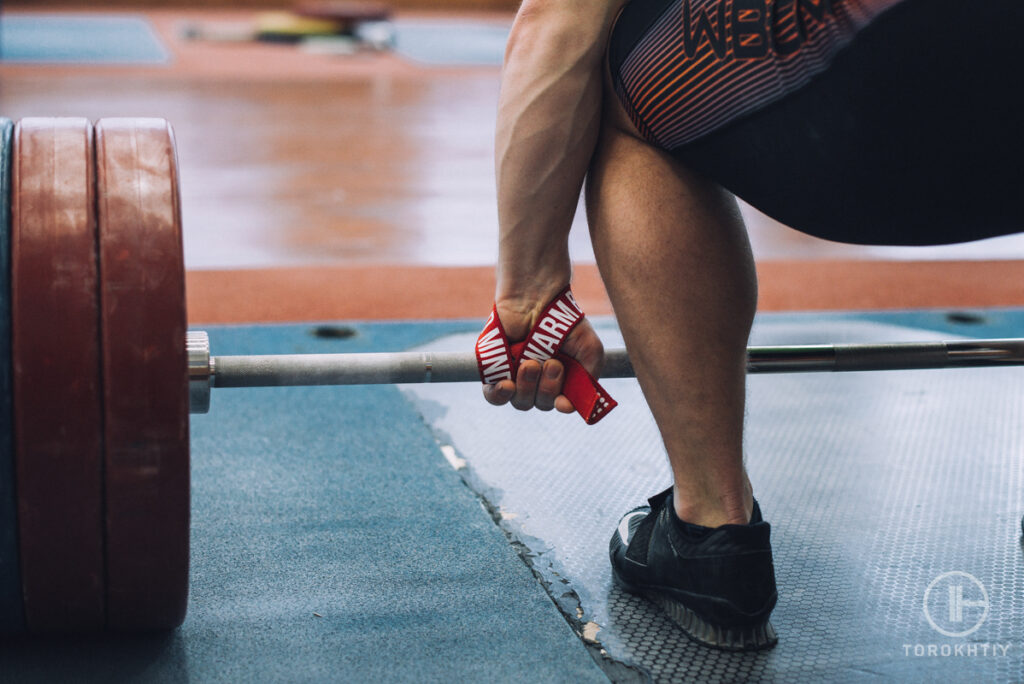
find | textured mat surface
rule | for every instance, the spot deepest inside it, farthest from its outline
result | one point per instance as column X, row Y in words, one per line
column 70, row 39
column 331, row 542
column 878, row 486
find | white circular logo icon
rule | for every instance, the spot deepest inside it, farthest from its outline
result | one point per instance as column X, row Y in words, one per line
column 955, row 604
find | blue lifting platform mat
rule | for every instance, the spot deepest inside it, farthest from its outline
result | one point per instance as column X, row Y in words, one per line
column 79, row 39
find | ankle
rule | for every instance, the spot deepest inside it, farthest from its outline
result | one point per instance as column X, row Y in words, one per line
column 724, row 509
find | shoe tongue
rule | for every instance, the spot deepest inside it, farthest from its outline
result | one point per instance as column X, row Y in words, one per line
column 755, row 515
column 659, row 499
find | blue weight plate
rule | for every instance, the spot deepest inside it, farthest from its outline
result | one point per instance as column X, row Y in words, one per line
column 12, row 615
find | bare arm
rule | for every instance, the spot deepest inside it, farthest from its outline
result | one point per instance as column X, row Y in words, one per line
column 548, row 119
column 549, row 115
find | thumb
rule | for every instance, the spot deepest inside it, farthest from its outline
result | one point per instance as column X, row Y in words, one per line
column 585, row 346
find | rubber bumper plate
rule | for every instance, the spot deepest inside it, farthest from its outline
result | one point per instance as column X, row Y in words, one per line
column 12, row 617
column 55, row 351
column 145, row 374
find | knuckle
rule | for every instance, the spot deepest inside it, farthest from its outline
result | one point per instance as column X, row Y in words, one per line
column 550, row 389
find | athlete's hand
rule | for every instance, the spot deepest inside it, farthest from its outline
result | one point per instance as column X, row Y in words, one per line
column 540, row 386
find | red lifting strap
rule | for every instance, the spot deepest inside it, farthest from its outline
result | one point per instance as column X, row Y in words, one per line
column 497, row 360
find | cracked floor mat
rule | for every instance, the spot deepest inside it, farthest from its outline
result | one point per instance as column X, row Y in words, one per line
column 895, row 500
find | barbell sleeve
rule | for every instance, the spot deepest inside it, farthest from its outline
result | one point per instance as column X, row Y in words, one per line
column 421, row 367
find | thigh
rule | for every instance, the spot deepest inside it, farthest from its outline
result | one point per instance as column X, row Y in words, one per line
column 906, row 137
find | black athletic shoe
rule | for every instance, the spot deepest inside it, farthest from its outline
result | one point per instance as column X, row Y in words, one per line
column 717, row 584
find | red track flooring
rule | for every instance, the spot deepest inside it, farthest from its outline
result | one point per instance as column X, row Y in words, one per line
column 425, row 292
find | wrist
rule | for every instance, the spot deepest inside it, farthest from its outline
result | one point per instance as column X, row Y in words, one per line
column 519, row 309
column 527, row 302
column 537, row 285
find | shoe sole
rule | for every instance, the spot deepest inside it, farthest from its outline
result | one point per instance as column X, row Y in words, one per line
column 756, row 638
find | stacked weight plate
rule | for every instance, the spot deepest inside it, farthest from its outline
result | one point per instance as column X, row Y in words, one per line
column 12, row 617
column 58, row 431
column 94, row 462
column 145, row 374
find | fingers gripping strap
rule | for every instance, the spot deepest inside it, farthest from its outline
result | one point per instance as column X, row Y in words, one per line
column 493, row 356
column 497, row 360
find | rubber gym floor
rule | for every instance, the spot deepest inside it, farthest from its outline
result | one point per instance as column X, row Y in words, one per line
column 415, row 534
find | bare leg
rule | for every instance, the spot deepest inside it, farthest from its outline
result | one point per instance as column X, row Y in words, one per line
column 674, row 256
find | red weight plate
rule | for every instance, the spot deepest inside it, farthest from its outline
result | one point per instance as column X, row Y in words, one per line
column 142, row 298
column 58, row 414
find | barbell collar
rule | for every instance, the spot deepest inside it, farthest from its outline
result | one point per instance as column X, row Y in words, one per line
column 200, row 370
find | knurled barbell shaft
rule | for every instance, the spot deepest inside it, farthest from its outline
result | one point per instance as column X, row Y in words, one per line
column 421, row 367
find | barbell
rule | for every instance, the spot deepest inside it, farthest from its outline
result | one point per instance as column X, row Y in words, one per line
column 98, row 376
column 291, row 370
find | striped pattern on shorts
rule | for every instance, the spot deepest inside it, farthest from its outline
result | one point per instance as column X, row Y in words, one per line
column 704, row 63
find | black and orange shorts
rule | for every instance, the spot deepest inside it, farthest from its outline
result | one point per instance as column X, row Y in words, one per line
column 864, row 121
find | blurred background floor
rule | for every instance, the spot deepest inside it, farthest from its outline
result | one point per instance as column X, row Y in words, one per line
column 295, row 159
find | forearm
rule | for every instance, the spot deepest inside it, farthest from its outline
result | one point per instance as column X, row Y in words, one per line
column 548, row 121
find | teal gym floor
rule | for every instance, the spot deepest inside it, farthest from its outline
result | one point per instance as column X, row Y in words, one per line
column 415, row 534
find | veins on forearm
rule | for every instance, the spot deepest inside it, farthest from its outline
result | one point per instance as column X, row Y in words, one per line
column 547, row 130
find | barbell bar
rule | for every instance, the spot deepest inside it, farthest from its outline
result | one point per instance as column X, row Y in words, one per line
column 281, row 370
column 96, row 386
